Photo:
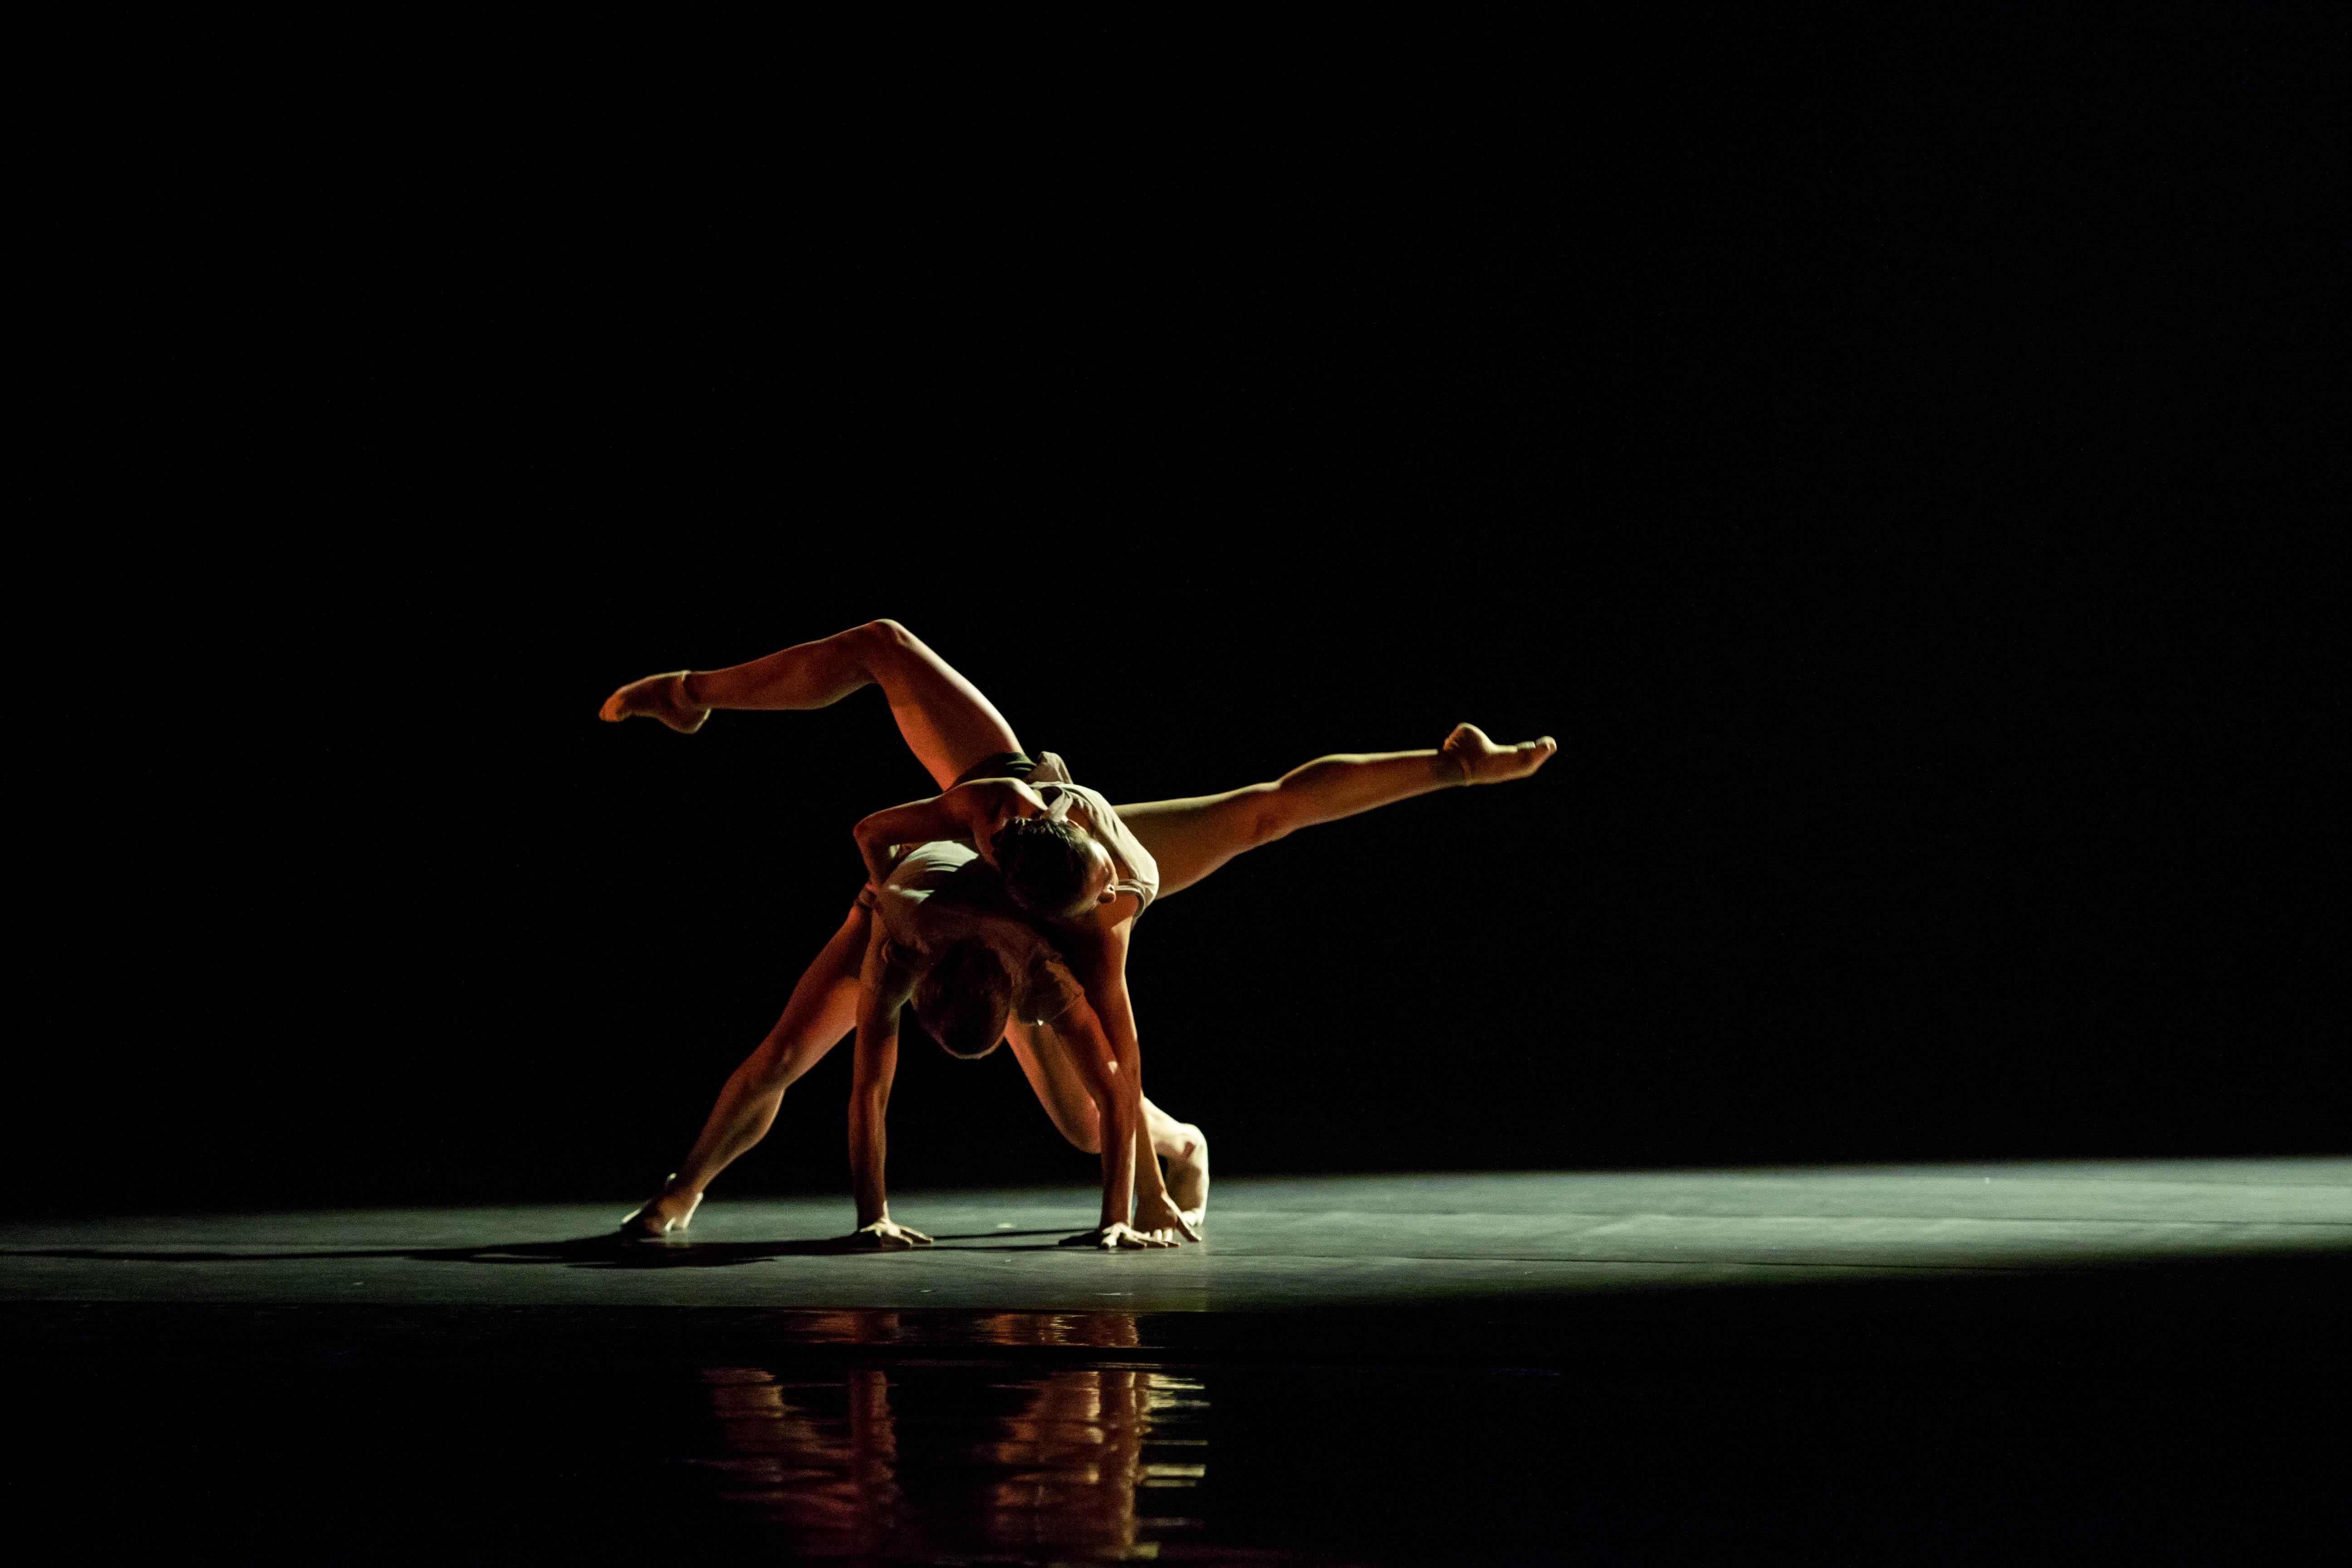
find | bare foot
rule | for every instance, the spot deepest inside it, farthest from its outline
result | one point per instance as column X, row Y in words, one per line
column 666, row 1215
column 1157, row 1219
column 661, row 697
column 1188, row 1175
column 1483, row 762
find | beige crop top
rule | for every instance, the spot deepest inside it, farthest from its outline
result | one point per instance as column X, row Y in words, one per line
column 1133, row 868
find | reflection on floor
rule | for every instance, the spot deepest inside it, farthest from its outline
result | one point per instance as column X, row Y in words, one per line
column 932, row 1461
column 1834, row 1365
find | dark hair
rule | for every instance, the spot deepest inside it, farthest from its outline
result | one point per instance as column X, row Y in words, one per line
column 965, row 999
column 1044, row 863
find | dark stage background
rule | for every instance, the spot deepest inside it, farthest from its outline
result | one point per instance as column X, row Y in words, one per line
column 1874, row 455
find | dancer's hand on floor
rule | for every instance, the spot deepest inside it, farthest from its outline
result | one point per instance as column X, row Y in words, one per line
column 1159, row 1218
column 1116, row 1238
column 888, row 1235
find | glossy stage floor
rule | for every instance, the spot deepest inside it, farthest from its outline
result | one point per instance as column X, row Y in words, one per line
column 1886, row 1362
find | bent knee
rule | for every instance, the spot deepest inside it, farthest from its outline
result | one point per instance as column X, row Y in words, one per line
column 887, row 634
column 885, row 645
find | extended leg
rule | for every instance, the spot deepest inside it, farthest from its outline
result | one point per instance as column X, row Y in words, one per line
column 1191, row 838
column 823, row 1009
column 950, row 725
column 1046, row 1062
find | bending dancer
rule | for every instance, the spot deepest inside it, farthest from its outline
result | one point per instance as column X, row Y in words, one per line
column 1083, row 878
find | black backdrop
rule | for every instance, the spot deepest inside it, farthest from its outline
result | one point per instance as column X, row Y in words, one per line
column 1867, row 451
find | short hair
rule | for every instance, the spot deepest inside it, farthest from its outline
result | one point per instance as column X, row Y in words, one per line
column 1045, row 864
column 965, row 999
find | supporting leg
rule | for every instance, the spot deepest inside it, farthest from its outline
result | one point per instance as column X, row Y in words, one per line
column 944, row 718
column 822, row 1009
column 1190, row 838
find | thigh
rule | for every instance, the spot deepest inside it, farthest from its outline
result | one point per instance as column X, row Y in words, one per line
column 1192, row 838
column 947, row 722
column 824, row 1004
column 1046, row 1062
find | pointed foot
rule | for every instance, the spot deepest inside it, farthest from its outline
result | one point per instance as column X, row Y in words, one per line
column 1482, row 762
column 659, row 696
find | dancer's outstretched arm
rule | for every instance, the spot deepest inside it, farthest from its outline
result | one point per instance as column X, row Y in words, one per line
column 1047, row 1061
column 1114, row 1081
column 1097, row 954
column 883, row 991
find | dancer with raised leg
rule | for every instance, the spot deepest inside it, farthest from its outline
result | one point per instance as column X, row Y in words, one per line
column 1080, row 870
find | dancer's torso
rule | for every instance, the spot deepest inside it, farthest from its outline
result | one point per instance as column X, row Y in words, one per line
column 943, row 893
column 1133, row 868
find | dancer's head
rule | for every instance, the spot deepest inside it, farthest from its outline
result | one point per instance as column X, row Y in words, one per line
column 965, row 999
column 1052, row 867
